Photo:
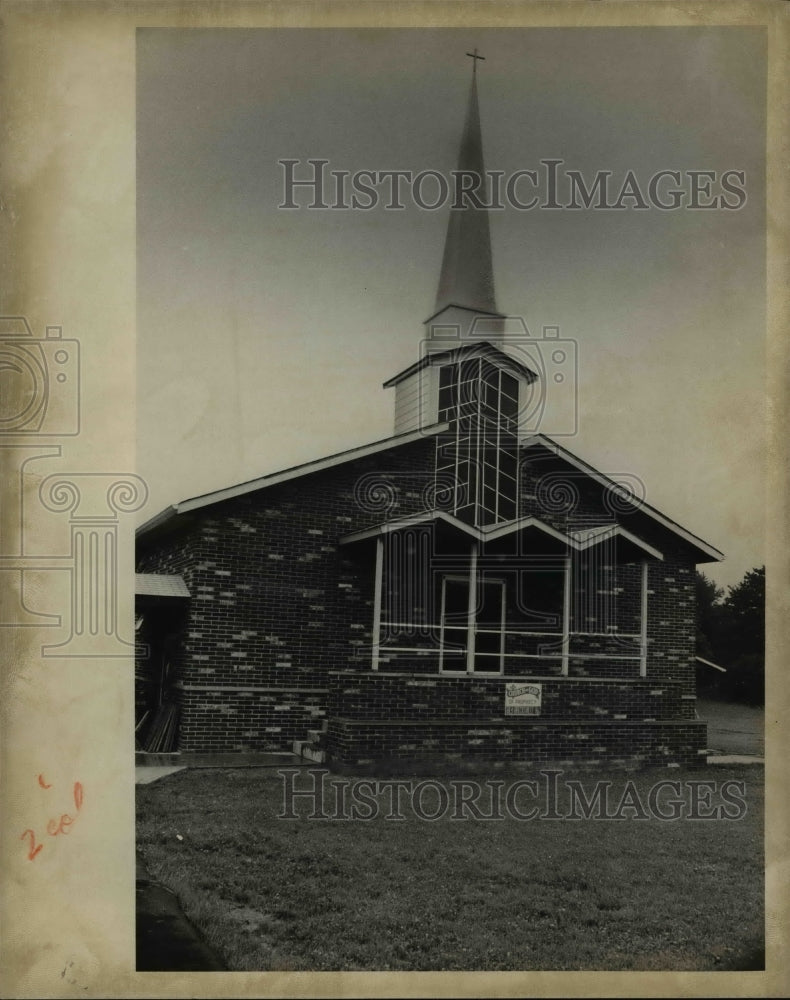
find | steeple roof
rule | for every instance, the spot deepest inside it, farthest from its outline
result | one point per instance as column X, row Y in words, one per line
column 480, row 349
column 467, row 277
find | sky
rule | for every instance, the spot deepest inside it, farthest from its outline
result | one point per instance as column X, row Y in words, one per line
column 264, row 335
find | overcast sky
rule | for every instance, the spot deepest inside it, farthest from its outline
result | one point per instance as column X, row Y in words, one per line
column 264, row 335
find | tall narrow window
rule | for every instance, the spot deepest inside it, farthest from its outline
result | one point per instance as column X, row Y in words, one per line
column 480, row 453
column 489, row 624
column 454, row 623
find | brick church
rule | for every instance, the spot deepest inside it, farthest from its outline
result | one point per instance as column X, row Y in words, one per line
column 466, row 588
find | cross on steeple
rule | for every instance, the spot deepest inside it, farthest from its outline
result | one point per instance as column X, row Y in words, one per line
column 474, row 57
column 466, row 280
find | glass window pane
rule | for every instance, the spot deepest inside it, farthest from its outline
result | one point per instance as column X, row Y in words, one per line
column 508, row 408
column 489, row 479
column 456, row 598
column 467, row 512
column 468, row 394
column 489, row 372
column 509, row 385
column 507, row 464
column 447, row 375
column 470, row 369
column 507, row 507
column 506, row 488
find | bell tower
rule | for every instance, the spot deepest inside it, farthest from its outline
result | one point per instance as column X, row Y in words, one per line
column 464, row 377
column 466, row 326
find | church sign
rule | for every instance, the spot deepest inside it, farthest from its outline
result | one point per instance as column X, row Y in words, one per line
column 523, row 699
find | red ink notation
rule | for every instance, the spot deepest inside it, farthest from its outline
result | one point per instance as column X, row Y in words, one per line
column 56, row 826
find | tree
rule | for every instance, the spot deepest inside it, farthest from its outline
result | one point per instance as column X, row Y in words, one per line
column 709, row 599
column 743, row 638
column 731, row 632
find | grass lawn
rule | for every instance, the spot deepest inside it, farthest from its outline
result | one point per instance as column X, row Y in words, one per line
column 302, row 894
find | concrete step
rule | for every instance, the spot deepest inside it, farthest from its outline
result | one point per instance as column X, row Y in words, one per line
column 302, row 748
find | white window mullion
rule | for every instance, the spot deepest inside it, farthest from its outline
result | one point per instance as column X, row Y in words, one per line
column 471, row 610
column 502, row 630
column 377, row 587
column 643, row 623
column 566, row 616
column 456, row 418
column 441, row 625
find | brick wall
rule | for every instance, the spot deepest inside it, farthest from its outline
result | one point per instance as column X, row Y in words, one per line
column 278, row 608
column 228, row 719
column 372, row 696
column 567, row 499
column 275, row 601
column 566, row 743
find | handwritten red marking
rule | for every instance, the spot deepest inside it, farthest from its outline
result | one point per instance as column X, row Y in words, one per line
column 34, row 847
column 55, row 827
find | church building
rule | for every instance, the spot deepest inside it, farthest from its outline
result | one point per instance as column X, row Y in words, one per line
column 467, row 588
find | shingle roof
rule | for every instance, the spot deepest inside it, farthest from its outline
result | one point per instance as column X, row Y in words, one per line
column 159, row 585
column 285, row 475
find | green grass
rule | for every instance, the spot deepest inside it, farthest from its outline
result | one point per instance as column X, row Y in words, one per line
column 270, row 893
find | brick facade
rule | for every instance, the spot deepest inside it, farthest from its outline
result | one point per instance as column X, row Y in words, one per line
column 278, row 633
column 275, row 602
column 565, row 743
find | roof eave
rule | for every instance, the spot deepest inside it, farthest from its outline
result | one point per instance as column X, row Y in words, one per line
column 709, row 552
column 438, row 356
column 160, row 520
column 494, row 532
column 285, row 475
column 457, row 305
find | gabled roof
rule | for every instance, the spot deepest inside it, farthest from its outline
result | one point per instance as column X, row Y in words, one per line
column 579, row 541
column 296, row 471
column 707, row 552
column 711, row 554
column 479, row 347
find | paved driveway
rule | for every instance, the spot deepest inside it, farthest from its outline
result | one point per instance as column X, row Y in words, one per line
column 733, row 729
